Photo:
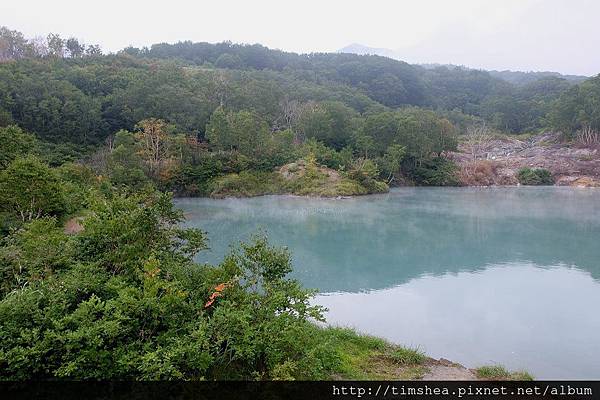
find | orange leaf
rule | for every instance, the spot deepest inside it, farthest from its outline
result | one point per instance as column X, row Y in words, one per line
column 220, row 287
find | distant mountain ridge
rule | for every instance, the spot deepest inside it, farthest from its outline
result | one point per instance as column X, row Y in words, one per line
column 514, row 77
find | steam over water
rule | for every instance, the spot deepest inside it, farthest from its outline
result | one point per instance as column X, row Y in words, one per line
column 478, row 276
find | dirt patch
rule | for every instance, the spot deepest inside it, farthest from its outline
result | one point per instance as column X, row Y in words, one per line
column 445, row 370
column 570, row 164
column 383, row 367
column 73, row 226
column 297, row 169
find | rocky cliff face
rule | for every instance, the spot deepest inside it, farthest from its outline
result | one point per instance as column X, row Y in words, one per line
column 497, row 161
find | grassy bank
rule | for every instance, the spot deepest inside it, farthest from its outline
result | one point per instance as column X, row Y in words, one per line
column 364, row 357
column 299, row 178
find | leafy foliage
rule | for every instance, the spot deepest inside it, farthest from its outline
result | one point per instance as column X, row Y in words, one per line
column 30, row 189
column 123, row 299
column 224, row 108
column 578, row 108
column 14, row 143
column 535, row 176
column 436, row 172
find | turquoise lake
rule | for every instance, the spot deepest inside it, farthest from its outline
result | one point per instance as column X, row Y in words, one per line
column 475, row 275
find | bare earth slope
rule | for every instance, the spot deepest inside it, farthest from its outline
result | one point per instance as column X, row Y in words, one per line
column 499, row 160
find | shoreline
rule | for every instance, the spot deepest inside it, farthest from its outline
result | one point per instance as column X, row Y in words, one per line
column 347, row 197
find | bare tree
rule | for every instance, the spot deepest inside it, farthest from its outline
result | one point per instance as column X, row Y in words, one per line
column 12, row 44
column 152, row 135
column 478, row 138
column 221, row 88
column 290, row 112
column 38, row 47
column 110, row 143
column 588, row 136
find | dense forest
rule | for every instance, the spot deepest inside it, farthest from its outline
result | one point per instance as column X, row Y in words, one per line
column 218, row 119
column 95, row 141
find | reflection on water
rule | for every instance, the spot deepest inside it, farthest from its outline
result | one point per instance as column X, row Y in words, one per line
column 544, row 320
column 504, row 275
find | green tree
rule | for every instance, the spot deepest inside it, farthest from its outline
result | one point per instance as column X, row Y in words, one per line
column 332, row 123
column 32, row 253
column 578, row 108
column 30, row 189
column 56, row 45
column 218, row 131
column 74, row 48
column 363, row 143
column 228, row 61
column 14, row 143
column 391, row 162
column 152, row 136
column 242, row 131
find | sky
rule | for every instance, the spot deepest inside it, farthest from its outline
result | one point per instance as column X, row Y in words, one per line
column 526, row 35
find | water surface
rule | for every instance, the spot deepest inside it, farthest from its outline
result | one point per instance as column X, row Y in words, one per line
column 476, row 275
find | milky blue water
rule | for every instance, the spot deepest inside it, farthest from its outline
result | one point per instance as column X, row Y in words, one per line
column 475, row 275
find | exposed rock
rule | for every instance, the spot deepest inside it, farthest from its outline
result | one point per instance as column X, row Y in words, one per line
column 569, row 164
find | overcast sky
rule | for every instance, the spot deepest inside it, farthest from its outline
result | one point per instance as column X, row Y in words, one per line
column 555, row 35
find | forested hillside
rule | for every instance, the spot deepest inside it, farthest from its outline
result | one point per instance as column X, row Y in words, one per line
column 219, row 119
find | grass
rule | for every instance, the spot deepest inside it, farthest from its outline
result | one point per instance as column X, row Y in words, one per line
column 408, row 356
column 247, row 184
column 364, row 357
column 498, row 372
column 312, row 183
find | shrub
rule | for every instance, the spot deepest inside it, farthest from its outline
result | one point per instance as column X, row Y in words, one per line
column 123, row 299
column 437, row 171
column 535, row 176
column 326, row 155
column 14, row 143
column 479, row 173
column 245, row 184
column 31, row 253
column 365, row 172
column 29, row 189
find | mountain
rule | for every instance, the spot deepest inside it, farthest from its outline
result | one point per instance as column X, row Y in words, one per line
column 523, row 78
column 515, row 77
column 356, row 48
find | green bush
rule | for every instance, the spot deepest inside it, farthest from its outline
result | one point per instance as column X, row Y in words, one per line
column 535, row 176
column 33, row 252
column 437, row 171
column 326, row 155
column 29, row 189
column 14, row 143
column 123, row 299
column 365, row 172
column 246, row 184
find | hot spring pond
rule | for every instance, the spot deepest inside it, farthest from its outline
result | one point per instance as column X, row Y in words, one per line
column 474, row 275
